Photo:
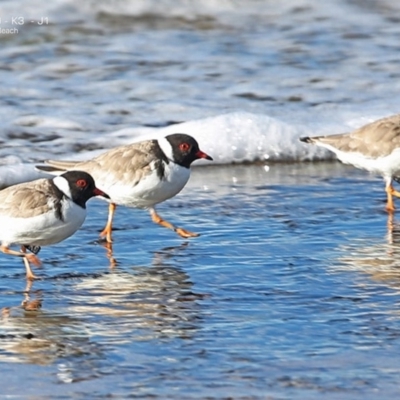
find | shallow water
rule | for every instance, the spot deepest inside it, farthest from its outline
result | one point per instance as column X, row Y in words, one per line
column 291, row 291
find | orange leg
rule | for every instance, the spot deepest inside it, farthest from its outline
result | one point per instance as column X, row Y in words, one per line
column 108, row 229
column 27, row 258
column 180, row 231
column 390, row 191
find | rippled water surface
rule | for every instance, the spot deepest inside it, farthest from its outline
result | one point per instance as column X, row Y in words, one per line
column 291, row 291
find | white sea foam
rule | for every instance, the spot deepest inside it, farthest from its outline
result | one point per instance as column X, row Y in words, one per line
column 300, row 68
column 239, row 137
column 229, row 138
column 12, row 174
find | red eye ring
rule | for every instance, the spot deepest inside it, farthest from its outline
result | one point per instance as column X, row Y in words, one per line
column 81, row 183
column 184, row 146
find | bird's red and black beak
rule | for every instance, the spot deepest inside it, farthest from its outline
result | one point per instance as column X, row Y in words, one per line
column 201, row 154
column 98, row 192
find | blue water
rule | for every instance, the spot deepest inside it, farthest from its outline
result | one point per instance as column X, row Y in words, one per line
column 292, row 289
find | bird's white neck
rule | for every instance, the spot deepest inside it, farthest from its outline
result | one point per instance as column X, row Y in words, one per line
column 63, row 185
column 166, row 148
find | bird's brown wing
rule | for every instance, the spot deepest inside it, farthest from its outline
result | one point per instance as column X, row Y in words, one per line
column 377, row 139
column 26, row 200
column 124, row 163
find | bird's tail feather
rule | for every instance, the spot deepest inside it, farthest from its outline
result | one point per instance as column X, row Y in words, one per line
column 307, row 139
column 53, row 166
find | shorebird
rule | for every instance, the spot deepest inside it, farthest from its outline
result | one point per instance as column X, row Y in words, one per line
column 374, row 147
column 140, row 175
column 43, row 212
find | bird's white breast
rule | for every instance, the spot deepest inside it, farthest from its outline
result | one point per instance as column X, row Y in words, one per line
column 42, row 229
column 150, row 190
column 386, row 166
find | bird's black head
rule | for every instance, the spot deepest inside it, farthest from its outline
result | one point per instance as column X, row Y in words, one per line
column 79, row 186
column 185, row 149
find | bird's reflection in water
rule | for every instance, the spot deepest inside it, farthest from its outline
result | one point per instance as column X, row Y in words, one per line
column 380, row 259
column 122, row 306
column 28, row 303
column 109, row 253
column 40, row 338
column 141, row 302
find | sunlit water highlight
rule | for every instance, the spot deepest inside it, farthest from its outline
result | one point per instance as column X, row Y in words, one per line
column 292, row 289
